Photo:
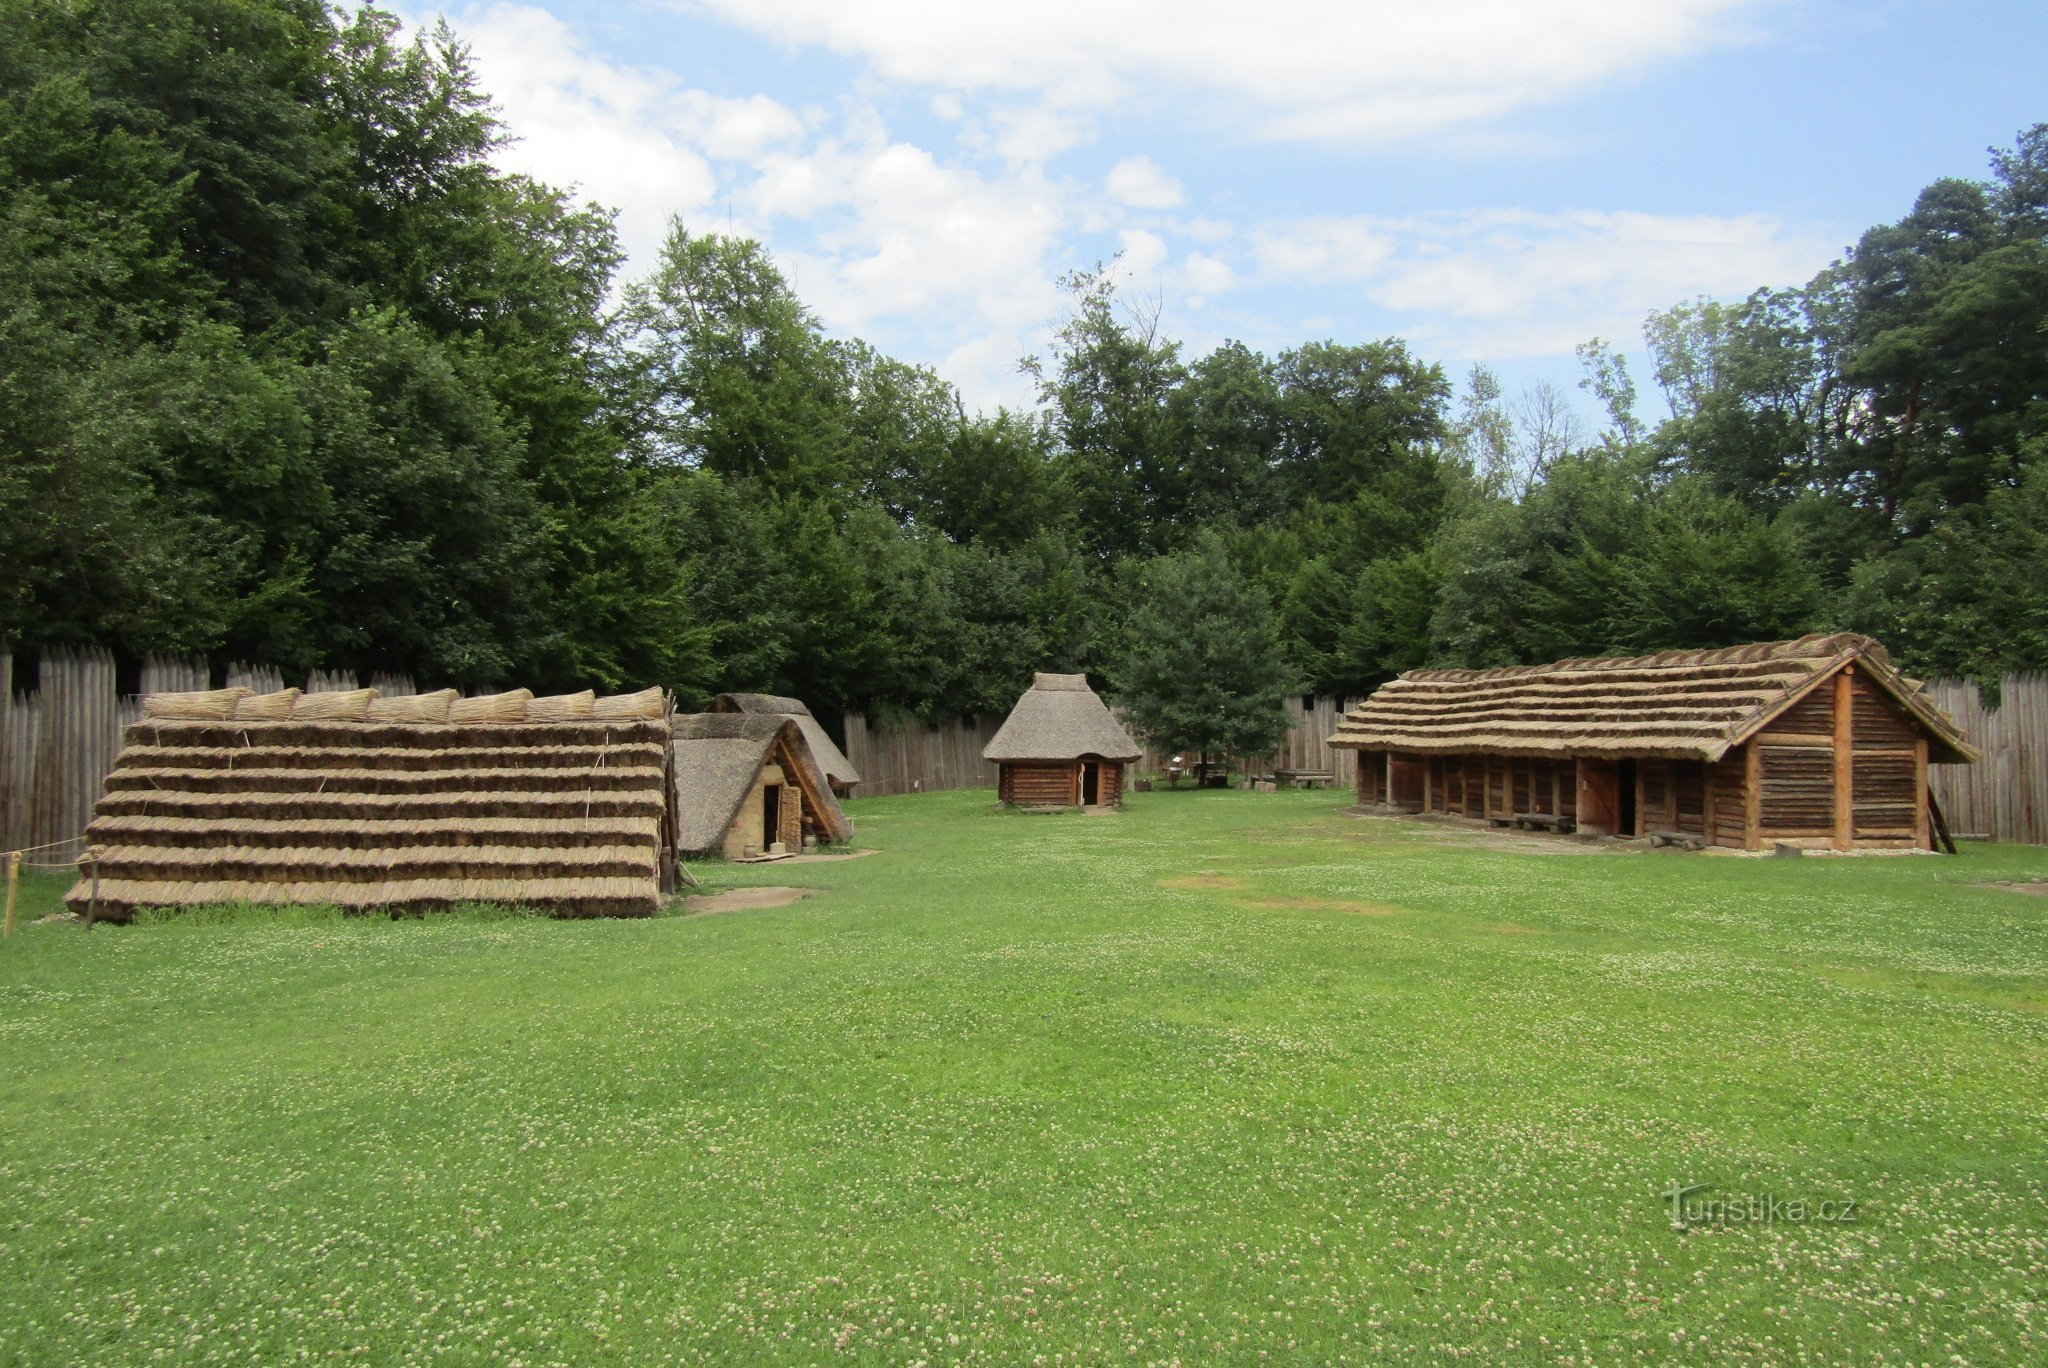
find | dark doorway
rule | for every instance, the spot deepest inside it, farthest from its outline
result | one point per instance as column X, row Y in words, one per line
column 771, row 816
column 1627, row 770
column 1091, row 783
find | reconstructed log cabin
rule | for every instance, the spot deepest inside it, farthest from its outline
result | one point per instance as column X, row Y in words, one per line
column 839, row 770
column 1059, row 747
column 1820, row 742
column 375, row 804
column 745, row 782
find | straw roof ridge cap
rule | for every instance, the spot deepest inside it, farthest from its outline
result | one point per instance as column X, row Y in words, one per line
column 1813, row 646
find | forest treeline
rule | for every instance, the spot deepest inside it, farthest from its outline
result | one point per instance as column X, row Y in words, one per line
column 293, row 374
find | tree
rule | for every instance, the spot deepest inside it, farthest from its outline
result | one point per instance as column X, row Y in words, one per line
column 1199, row 667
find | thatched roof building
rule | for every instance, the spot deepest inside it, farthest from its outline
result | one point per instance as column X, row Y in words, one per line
column 1060, row 747
column 745, row 782
column 1821, row 740
column 327, row 804
column 839, row 770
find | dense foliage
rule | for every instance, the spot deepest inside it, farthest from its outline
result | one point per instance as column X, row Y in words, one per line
column 295, row 374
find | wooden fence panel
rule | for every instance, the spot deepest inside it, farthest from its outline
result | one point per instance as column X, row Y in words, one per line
column 2004, row 795
column 59, row 740
column 918, row 757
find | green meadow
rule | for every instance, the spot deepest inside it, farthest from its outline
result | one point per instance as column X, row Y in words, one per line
column 1224, row 1078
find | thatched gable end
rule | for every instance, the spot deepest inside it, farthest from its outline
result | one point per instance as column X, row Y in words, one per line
column 1060, row 718
column 838, row 769
column 566, row 817
column 718, row 762
column 1679, row 705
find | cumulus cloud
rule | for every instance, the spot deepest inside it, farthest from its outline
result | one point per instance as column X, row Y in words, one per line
column 634, row 139
column 1302, row 68
column 1139, row 183
column 1508, row 284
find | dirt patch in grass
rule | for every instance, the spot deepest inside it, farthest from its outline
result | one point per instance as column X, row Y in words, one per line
column 1510, row 929
column 1344, row 905
column 1204, row 883
column 740, row 899
column 2037, row 889
column 826, row 857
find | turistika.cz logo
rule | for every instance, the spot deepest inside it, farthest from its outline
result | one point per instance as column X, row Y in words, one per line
column 1690, row 1208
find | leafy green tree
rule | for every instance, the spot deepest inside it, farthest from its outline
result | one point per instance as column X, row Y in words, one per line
column 1199, row 667
column 1108, row 390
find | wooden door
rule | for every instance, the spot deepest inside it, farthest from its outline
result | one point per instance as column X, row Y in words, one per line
column 1599, row 797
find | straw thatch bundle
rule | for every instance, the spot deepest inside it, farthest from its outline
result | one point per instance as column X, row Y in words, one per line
column 561, row 707
column 426, row 707
column 1682, row 705
column 718, row 758
column 386, row 815
column 213, row 704
column 499, row 707
column 349, row 705
column 266, row 707
column 839, row 770
column 1060, row 718
column 649, row 703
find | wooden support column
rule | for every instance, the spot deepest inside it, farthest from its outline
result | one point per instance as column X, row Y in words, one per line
column 1642, row 817
column 1707, row 802
column 1923, row 836
column 1752, row 797
column 1845, row 758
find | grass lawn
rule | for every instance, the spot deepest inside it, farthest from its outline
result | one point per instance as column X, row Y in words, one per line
column 1224, row 1078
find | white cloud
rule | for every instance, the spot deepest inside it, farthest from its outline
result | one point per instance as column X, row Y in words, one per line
column 1305, row 68
column 1138, row 182
column 632, row 138
column 1508, row 284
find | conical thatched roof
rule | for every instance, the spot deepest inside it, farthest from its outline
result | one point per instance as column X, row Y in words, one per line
column 824, row 750
column 1060, row 718
column 718, row 756
column 1690, row 705
column 563, row 816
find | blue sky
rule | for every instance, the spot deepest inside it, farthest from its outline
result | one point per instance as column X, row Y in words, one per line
column 1494, row 180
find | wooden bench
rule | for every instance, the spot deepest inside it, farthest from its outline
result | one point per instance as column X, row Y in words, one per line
column 1544, row 821
column 1684, row 840
column 1305, row 778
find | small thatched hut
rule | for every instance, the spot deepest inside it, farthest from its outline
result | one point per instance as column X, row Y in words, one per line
column 745, row 783
column 839, row 770
column 385, row 804
column 1060, row 747
column 1819, row 741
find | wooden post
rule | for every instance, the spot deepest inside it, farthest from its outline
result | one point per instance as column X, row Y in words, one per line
column 1845, row 758
column 1752, row 797
column 1922, row 835
column 1642, row 817
column 14, row 883
column 92, row 909
column 1707, row 802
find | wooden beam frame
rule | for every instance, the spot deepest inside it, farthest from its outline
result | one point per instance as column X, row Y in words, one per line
column 1752, row 797
column 1845, row 757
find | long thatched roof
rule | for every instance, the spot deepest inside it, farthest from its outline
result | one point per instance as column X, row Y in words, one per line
column 718, row 757
column 1693, row 705
column 824, row 749
column 1060, row 718
column 562, row 816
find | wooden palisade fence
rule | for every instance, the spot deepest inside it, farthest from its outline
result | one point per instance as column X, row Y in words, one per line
column 2005, row 795
column 59, row 739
